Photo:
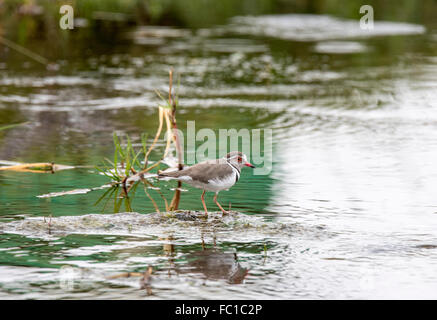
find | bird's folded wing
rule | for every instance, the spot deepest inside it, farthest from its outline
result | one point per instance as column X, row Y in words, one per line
column 204, row 172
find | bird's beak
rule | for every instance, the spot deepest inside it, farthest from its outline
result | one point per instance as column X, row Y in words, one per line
column 247, row 164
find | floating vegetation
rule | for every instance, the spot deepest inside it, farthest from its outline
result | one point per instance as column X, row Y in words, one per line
column 129, row 167
column 127, row 170
column 178, row 224
column 10, row 126
column 70, row 192
column 39, row 167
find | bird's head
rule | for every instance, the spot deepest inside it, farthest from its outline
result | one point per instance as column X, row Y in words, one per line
column 238, row 159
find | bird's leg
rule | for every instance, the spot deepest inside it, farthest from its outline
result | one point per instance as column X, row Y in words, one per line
column 203, row 202
column 218, row 204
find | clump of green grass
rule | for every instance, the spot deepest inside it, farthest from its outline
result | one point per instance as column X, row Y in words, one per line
column 126, row 159
column 10, row 126
column 126, row 168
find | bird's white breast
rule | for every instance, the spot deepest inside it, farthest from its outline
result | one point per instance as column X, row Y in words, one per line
column 221, row 184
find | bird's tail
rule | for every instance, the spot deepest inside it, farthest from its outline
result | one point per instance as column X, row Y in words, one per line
column 169, row 174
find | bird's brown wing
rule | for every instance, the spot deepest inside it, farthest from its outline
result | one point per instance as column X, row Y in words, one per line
column 203, row 171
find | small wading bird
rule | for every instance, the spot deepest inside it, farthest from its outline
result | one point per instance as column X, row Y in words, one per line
column 212, row 175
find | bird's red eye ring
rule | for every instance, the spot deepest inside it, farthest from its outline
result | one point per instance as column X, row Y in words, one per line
column 239, row 159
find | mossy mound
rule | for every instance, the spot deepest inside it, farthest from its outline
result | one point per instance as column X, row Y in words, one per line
column 182, row 224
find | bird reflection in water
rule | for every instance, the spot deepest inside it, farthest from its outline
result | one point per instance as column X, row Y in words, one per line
column 211, row 263
column 214, row 264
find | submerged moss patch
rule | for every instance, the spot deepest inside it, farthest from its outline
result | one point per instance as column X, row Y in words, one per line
column 180, row 224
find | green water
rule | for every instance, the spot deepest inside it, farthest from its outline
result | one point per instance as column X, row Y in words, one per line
column 354, row 140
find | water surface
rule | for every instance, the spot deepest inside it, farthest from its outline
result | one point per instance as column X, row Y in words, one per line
column 354, row 175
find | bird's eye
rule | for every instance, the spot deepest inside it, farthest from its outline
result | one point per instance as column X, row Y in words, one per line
column 239, row 159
